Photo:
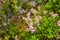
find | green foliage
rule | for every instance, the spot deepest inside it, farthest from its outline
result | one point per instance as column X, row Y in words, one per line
column 47, row 29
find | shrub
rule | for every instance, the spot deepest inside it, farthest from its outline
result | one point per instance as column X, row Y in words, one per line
column 29, row 19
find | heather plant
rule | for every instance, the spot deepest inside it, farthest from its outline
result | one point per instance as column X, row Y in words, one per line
column 29, row 19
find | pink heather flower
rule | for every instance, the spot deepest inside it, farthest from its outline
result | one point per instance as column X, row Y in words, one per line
column 32, row 3
column 54, row 15
column 58, row 22
column 33, row 11
column 26, row 19
column 37, row 18
column 40, row 17
column 30, row 24
column 22, row 11
column 33, row 30
column 28, row 14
